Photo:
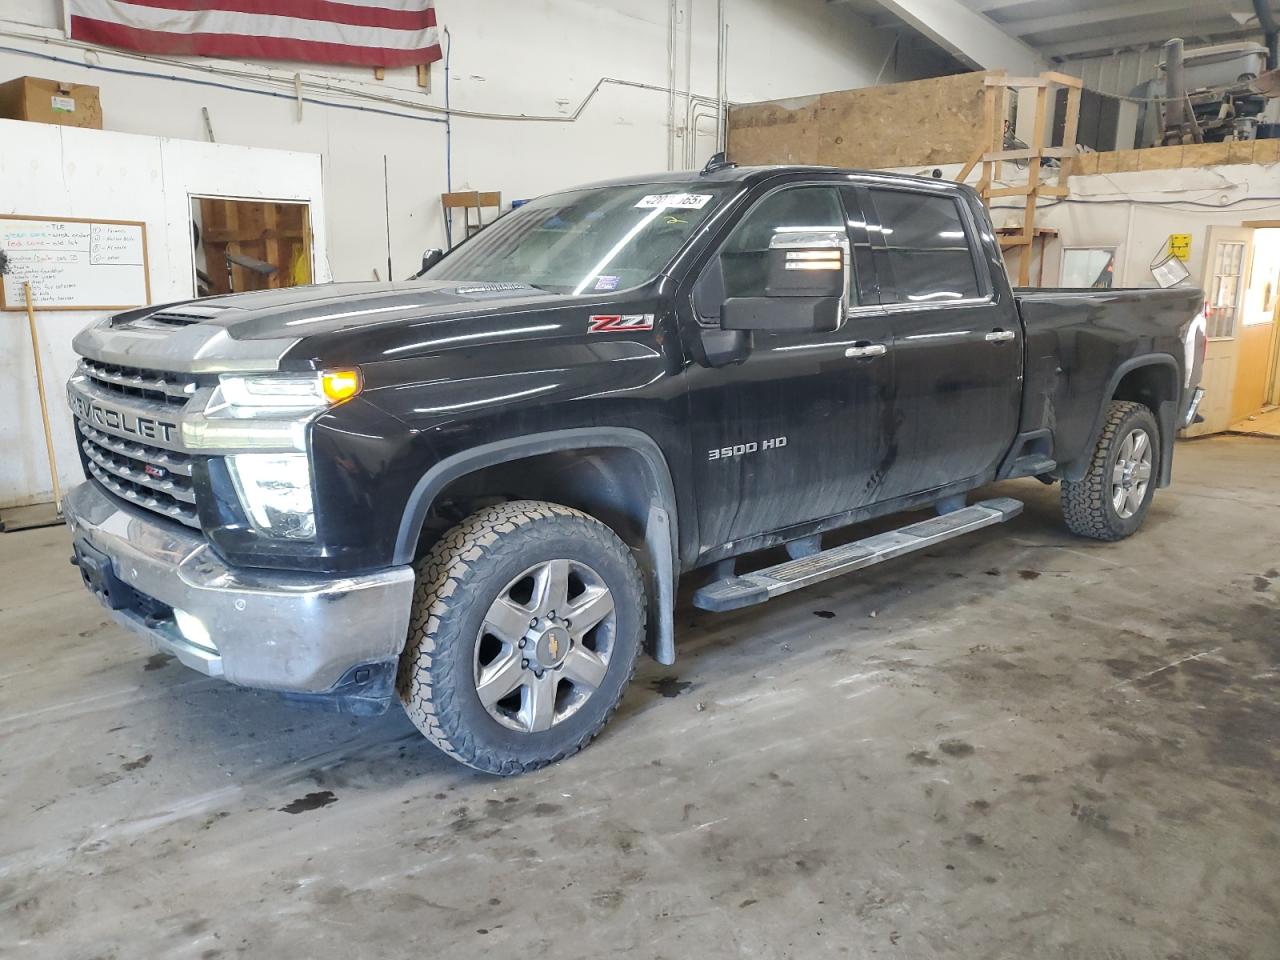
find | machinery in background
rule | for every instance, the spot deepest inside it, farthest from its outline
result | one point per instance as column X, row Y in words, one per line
column 1213, row 94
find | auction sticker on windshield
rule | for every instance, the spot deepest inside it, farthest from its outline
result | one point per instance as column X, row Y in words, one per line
column 683, row 201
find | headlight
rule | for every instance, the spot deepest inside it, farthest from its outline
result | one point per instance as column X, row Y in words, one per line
column 247, row 397
column 267, row 411
column 275, row 490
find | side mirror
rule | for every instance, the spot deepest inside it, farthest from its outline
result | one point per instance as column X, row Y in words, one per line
column 781, row 314
column 429, row 259
column 806, row 281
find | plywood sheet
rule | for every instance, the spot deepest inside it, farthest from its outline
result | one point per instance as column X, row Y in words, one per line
column 1266, row 151
column 923, row 122
column 1160, row 158
column 779, row 131
column 1205, row 154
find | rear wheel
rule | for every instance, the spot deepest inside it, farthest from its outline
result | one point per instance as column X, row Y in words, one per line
column 1111, row 500
column 526, row 627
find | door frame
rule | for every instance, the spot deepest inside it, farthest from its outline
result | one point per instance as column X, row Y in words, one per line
column 1222, row 354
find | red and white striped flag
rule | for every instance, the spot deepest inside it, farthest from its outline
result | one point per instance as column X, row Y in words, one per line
column 374, row 33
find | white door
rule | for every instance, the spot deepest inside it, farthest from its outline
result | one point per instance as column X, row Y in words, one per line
column 1226, row 268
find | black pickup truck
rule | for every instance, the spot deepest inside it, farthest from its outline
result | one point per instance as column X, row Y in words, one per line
column 476, row 491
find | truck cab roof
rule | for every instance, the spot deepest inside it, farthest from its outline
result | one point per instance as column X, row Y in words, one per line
column 750, row 176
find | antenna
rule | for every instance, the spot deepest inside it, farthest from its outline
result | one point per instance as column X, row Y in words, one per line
column 717, row 162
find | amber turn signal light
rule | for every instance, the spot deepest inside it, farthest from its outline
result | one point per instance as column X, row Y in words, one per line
column 339, row 385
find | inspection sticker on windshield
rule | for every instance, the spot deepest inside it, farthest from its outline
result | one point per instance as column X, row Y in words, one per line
column 619, row 323
column 604, row 282
column 682, row 201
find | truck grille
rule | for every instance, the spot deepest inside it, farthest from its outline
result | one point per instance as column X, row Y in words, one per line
column 174, row 389
column 155, row 479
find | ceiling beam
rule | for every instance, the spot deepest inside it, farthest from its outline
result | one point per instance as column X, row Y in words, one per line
column 986, row 6
column 967, row 35
column 1144, row 38
column 1087, row 18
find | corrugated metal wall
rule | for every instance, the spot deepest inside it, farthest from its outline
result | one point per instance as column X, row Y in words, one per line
column 1116, row 73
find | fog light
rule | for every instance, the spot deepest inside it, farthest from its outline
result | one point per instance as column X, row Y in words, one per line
column 193, row 630
column 275, row 490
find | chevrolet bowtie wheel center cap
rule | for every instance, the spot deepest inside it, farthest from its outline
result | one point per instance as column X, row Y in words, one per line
column 551, row 643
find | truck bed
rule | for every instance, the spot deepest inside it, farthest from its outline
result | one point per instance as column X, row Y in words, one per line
column 1081, row 343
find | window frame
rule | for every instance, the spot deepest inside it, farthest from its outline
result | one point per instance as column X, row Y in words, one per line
column 1242, row 286
column 1115, row 261
column 884, row 270
column 855, row 236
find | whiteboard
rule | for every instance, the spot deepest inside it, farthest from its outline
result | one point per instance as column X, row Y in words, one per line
column 74, row 264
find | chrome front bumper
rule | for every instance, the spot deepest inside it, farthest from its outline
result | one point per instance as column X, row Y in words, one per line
column 299, row 633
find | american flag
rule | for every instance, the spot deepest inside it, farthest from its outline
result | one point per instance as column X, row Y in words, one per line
column 374, row 33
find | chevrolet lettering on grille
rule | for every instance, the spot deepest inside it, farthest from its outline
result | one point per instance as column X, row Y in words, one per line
column 99, row 414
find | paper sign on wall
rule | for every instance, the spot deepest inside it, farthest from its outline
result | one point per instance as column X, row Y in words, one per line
column 1180, row 246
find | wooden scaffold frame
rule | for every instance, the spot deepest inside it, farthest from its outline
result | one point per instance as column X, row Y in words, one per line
column 991, row 152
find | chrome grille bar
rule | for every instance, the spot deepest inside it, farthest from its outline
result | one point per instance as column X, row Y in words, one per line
column 135, row 472
column 173, row 462
column 175, row 509
column 170, row 387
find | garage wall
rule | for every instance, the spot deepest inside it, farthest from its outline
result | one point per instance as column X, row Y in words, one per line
column 66, row 172
column 1136, row 212
column 540, row 61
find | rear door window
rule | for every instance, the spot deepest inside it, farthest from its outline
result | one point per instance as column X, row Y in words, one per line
column 927, row 247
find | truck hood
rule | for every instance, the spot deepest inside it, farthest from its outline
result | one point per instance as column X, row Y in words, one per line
column 300, row 312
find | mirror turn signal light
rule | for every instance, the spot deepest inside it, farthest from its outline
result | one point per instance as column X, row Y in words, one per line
column 340, row 385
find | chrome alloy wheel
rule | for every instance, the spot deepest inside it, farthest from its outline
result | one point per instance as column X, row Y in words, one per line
column 544, row 645
column 1131, row 474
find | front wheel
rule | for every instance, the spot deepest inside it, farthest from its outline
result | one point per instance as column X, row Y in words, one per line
column 1111, row 500
column 527, row 623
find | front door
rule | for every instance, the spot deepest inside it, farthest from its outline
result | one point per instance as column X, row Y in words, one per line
column 957, row 349
column 1227, row 258
column 796, row 430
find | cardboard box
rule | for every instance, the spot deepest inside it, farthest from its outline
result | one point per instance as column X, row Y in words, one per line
column 48, row 101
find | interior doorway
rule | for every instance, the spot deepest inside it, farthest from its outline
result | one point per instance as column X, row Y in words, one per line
column 1256, row 373
column 241, row 245
column 1228, row 254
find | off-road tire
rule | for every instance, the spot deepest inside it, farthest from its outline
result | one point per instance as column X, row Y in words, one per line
column 456, row 582
column 1086, row 503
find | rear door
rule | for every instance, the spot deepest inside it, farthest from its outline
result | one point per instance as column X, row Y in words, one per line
column 794, row 430
column 957, row 346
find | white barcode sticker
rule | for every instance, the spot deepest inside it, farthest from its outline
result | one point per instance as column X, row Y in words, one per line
column 63, row 104
column 681, row 201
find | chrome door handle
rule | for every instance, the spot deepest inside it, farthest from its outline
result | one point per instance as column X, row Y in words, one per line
column 867, row 350
column 996, row 336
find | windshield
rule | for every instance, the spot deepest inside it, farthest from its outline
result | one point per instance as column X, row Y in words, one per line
column 584, row 241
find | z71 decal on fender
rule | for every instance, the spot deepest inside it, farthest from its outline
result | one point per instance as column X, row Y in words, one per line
column 619, row 323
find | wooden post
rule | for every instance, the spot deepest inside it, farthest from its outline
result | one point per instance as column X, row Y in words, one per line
column 1033, row 188
column 44, row 406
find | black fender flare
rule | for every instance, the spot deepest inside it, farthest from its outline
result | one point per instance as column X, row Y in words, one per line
column 661, row 530
column 1166, row 416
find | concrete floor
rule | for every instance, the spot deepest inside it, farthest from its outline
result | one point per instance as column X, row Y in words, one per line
column 1022, row 745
